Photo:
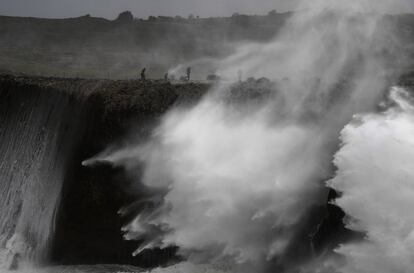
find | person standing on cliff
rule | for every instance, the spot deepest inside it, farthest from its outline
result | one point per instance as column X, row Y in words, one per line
column 188, row 73
column 143, row 74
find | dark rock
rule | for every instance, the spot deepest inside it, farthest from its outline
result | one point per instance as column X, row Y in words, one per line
column 125, row 17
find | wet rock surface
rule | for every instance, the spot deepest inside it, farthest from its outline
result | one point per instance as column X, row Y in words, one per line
column 50, row 125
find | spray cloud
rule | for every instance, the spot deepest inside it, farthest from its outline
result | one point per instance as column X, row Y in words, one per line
column 375, row 175
column 237, row 183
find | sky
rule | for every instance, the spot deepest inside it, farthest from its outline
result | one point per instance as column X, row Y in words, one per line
column 140, row 8
column 143, row 8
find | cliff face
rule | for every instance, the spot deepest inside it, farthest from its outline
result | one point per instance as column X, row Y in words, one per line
column 40, row 128
column 66, row 213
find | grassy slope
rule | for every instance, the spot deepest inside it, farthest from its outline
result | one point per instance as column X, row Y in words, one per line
column 96, row 47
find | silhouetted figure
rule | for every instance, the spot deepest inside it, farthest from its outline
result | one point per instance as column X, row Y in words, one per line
column 143, row 74
column 166, row 77
column 188, row 73
column 239, row 75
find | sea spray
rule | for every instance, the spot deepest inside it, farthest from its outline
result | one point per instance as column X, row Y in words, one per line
column 376, row 180
column 237, row 183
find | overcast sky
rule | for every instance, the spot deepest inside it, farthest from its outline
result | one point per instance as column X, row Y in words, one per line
column 140, row 8
column 143, row 8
